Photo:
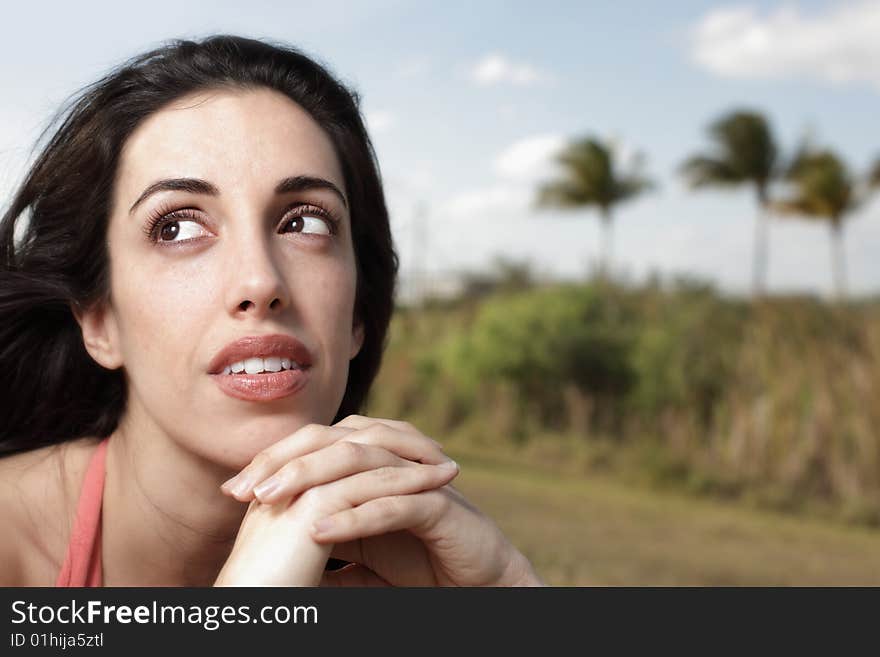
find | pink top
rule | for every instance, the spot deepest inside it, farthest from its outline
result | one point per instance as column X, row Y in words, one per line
column 82, row 564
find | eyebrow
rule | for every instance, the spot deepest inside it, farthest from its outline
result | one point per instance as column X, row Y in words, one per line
column 199, row 186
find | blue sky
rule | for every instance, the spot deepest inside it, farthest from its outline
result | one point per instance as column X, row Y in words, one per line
column 468, row 101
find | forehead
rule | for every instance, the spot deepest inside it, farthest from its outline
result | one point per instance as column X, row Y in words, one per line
column 236, row 139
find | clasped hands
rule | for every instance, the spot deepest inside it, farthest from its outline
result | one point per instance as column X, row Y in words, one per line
column 374, row 492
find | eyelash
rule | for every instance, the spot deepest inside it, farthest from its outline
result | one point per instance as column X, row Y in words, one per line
column 165, row 214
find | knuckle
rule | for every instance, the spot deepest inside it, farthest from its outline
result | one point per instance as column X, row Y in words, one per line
column 262, row 459
column 310, row 430
column 369, row 435
column 350, row 451
column 385, row 473
column 374, row 430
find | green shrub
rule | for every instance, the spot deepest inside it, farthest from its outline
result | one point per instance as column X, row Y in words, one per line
column 686, row 353
column 537, row 342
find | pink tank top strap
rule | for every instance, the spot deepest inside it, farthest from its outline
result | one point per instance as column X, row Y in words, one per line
column 82, row 564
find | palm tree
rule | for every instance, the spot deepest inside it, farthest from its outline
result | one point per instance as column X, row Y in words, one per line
column 592, row 177
column 744, row 153
column 825, row 190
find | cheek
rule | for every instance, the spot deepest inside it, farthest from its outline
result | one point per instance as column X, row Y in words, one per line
column 330, row 295
column 160, row 321
column 332, row 304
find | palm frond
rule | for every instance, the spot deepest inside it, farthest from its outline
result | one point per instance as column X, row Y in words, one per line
column 562, row 194
column 631, row 186
column 590, row 178
column 801, row 207
column 702, row 171
column 823, row 187
column 743, row 151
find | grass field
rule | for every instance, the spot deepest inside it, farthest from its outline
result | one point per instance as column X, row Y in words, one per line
column 581, row 531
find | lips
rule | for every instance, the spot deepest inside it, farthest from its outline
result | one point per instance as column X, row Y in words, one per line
column 262, row 387
column 266, row 386
column 261, row 346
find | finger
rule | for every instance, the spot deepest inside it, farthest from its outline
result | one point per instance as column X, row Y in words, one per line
column 339, row 460
column 363, row 421
column 410, row 445
column 352, row 575
column 272, row 460
column 304, row 440
column 380, row 482
column 382, row 515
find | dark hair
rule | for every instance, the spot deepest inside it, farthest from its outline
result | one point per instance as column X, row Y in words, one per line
column 51, row 390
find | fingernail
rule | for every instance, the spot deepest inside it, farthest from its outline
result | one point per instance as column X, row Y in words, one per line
column 322, row 525
column 265, row 490
column 449, row 464
column 242, row 486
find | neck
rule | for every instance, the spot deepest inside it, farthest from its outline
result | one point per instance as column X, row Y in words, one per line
column 166, row 522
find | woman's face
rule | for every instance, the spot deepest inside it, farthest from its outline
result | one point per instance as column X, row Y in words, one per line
column 238, row 258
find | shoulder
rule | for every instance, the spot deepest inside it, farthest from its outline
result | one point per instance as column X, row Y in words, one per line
column 39, row 490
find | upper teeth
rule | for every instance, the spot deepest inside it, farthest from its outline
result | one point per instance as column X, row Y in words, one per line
column 257, row 365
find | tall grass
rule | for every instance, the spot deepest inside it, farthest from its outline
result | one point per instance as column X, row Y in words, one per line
column 777, row 402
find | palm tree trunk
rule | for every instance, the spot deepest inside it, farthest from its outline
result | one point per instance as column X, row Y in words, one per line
column 838, row 261
column 760, row 255
column 607, row 243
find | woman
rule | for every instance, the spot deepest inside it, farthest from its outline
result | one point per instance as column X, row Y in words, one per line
column 197, row 279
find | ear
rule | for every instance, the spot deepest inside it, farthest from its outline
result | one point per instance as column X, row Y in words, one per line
column 100, row 333
column 357, row 339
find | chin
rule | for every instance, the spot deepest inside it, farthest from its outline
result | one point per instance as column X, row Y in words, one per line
column 243, row 440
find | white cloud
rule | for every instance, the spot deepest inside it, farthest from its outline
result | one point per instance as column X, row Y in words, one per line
column 839, row 45
column 518, row 169
column 379, row 121
column 496, row 68
column 530, row 159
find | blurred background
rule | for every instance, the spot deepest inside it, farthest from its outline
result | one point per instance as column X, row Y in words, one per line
column 640, row 259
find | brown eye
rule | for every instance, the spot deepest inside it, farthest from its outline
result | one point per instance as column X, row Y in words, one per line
column 169, row 231
column 308, row 224
column 180, row 230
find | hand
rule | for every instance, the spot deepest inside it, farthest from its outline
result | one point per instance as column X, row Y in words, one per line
column 422, row 538
column 274, row 545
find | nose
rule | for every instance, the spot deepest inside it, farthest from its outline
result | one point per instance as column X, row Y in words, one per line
column 257, row 287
